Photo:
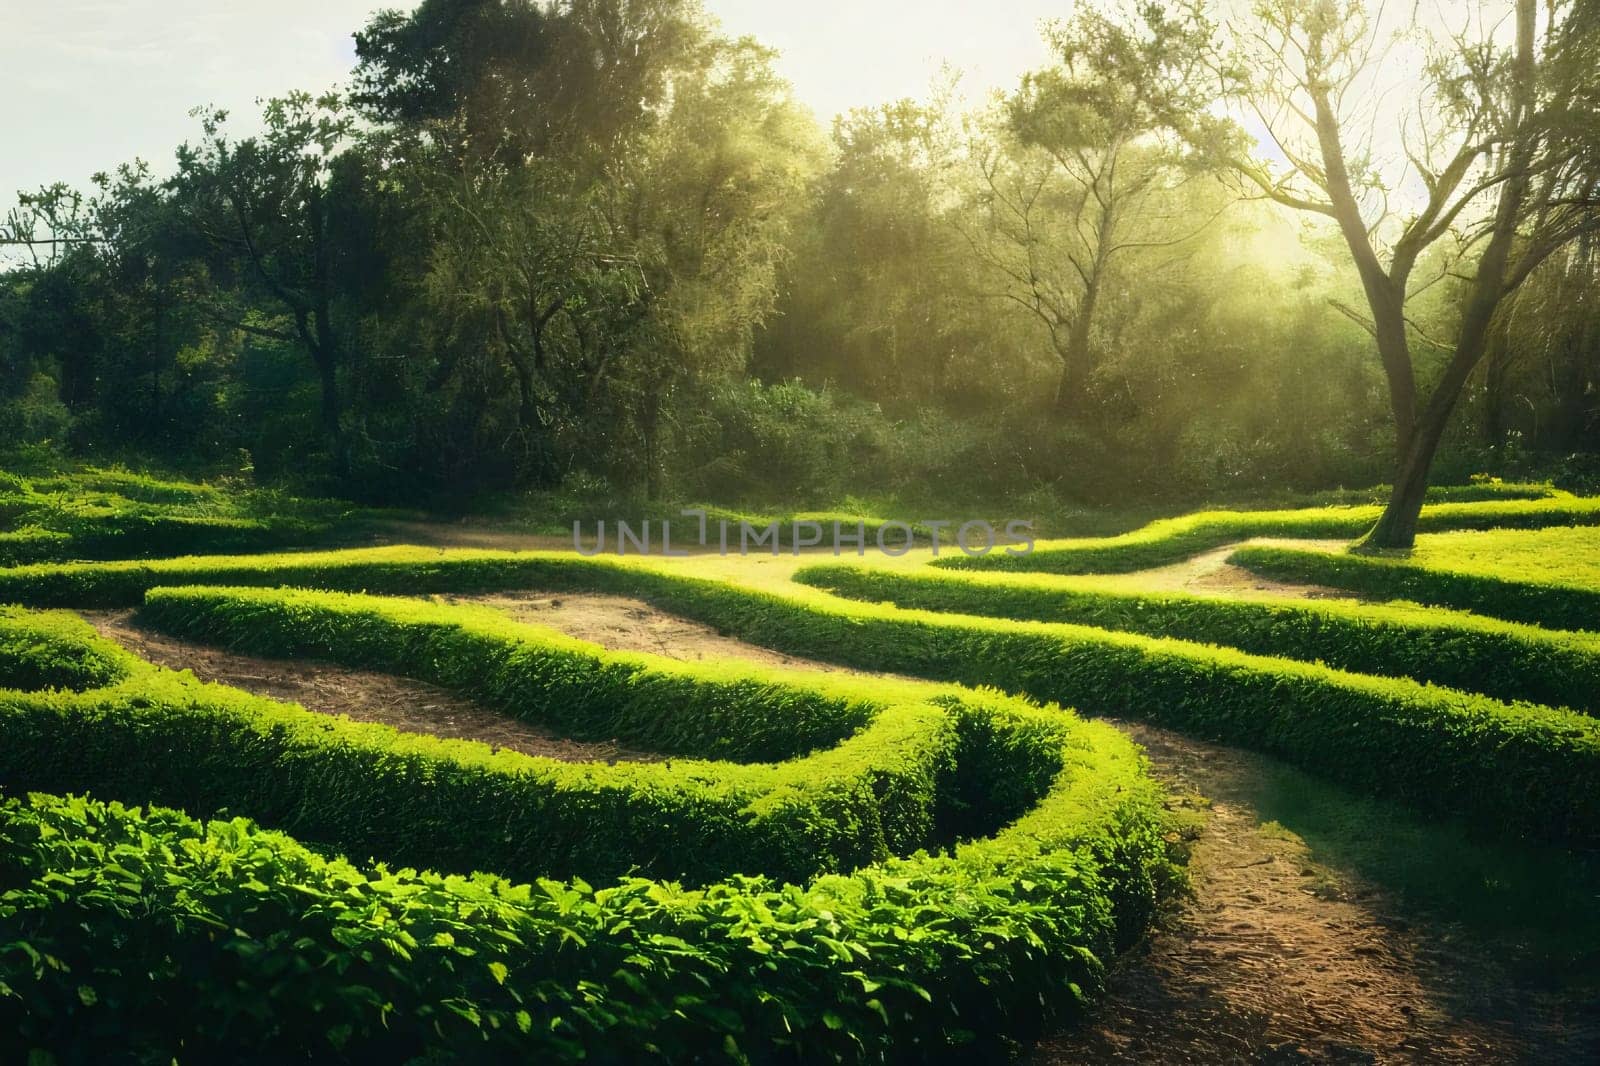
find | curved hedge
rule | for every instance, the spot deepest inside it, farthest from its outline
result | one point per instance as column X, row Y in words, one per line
column 1172, row 540
column 1468, row 652
column 57, row 650
column 731, row 711
column 150, row 936
column 1519, row 767
column 415, row 799
column 1541, row 604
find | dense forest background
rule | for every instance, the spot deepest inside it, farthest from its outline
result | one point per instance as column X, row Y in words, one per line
column 596, row 246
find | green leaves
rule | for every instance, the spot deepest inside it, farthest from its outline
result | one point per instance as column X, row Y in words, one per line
column 314, row 956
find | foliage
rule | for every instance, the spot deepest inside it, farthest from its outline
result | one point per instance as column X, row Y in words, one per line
column 1554, row 583
column 1516, row 766
column 101, row 514
column 547, row 246
column 1461, row 651
column 1170, row 540
column 109, row 912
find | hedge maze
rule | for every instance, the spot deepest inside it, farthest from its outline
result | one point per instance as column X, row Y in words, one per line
column 815, row 867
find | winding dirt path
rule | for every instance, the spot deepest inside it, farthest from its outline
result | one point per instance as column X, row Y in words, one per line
column 1210, row 574
column 623, row 624
column 361, row 695
column 1280, row 959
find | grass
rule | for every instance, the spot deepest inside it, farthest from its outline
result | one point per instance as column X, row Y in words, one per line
column 1536, row 905
column 1174, row 539
column 1548, row 577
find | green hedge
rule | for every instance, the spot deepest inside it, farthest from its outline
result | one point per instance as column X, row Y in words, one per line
column 1500, row 659
column 414, row 799
column 19, row 547
column 146, row 936
column 1551, row 605
column 107, row 514
column 151, row 937
column 701, row 710
column 1518, row 767
column 1172, row 540
column 57, row 650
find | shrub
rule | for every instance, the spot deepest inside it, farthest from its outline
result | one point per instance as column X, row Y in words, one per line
column 1537, row 603
column 1509, row 662
column 1174, row 539
column 1519, row 767
column 146, row 936
column 57, row 650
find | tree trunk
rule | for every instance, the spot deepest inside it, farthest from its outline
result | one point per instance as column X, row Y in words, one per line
column 320, row 343
column 1397, row 528
column 325, row 349
column 1496, row 372
column 1077, row 362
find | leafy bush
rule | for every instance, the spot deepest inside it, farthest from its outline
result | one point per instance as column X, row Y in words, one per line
column 1520, row 767
column 110, row 514
column 1174, row 539
column 1538, row 603
column 57, row 650
column 455, row 805
column 146, row 936
column 1469, row 652
column 779, row 442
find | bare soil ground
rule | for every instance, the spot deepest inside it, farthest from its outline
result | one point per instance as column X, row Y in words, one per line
column 1278, row 959
column 623, row 624
column 1210, row 574
column 361, row 695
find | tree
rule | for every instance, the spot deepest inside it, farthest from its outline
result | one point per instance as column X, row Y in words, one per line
column 267, row 204
column 1080, row 168
column 1500, row 138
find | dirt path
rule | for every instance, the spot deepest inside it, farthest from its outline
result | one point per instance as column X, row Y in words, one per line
column 1210, row 574
column 623, row 624
column 362, row 695
column 1280, row 959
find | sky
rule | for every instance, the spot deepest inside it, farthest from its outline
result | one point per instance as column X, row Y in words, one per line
column 92, row 83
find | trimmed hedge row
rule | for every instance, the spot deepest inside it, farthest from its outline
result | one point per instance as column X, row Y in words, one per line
column 1469, row 652
column 57, row 650
column 1553, row 606
column 715, row 711
column 418, row 800
column 148, row 936
column 19, row 547
column 151, row 937
column 109, row 514
column 1519, row 767
column 1172, row 540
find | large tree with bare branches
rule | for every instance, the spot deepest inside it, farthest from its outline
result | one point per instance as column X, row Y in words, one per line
column 1494, row 170
column 1079, row 171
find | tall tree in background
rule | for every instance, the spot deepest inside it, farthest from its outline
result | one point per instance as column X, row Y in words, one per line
column 1502, row 140
column 1082, row 169
column 266, row 204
